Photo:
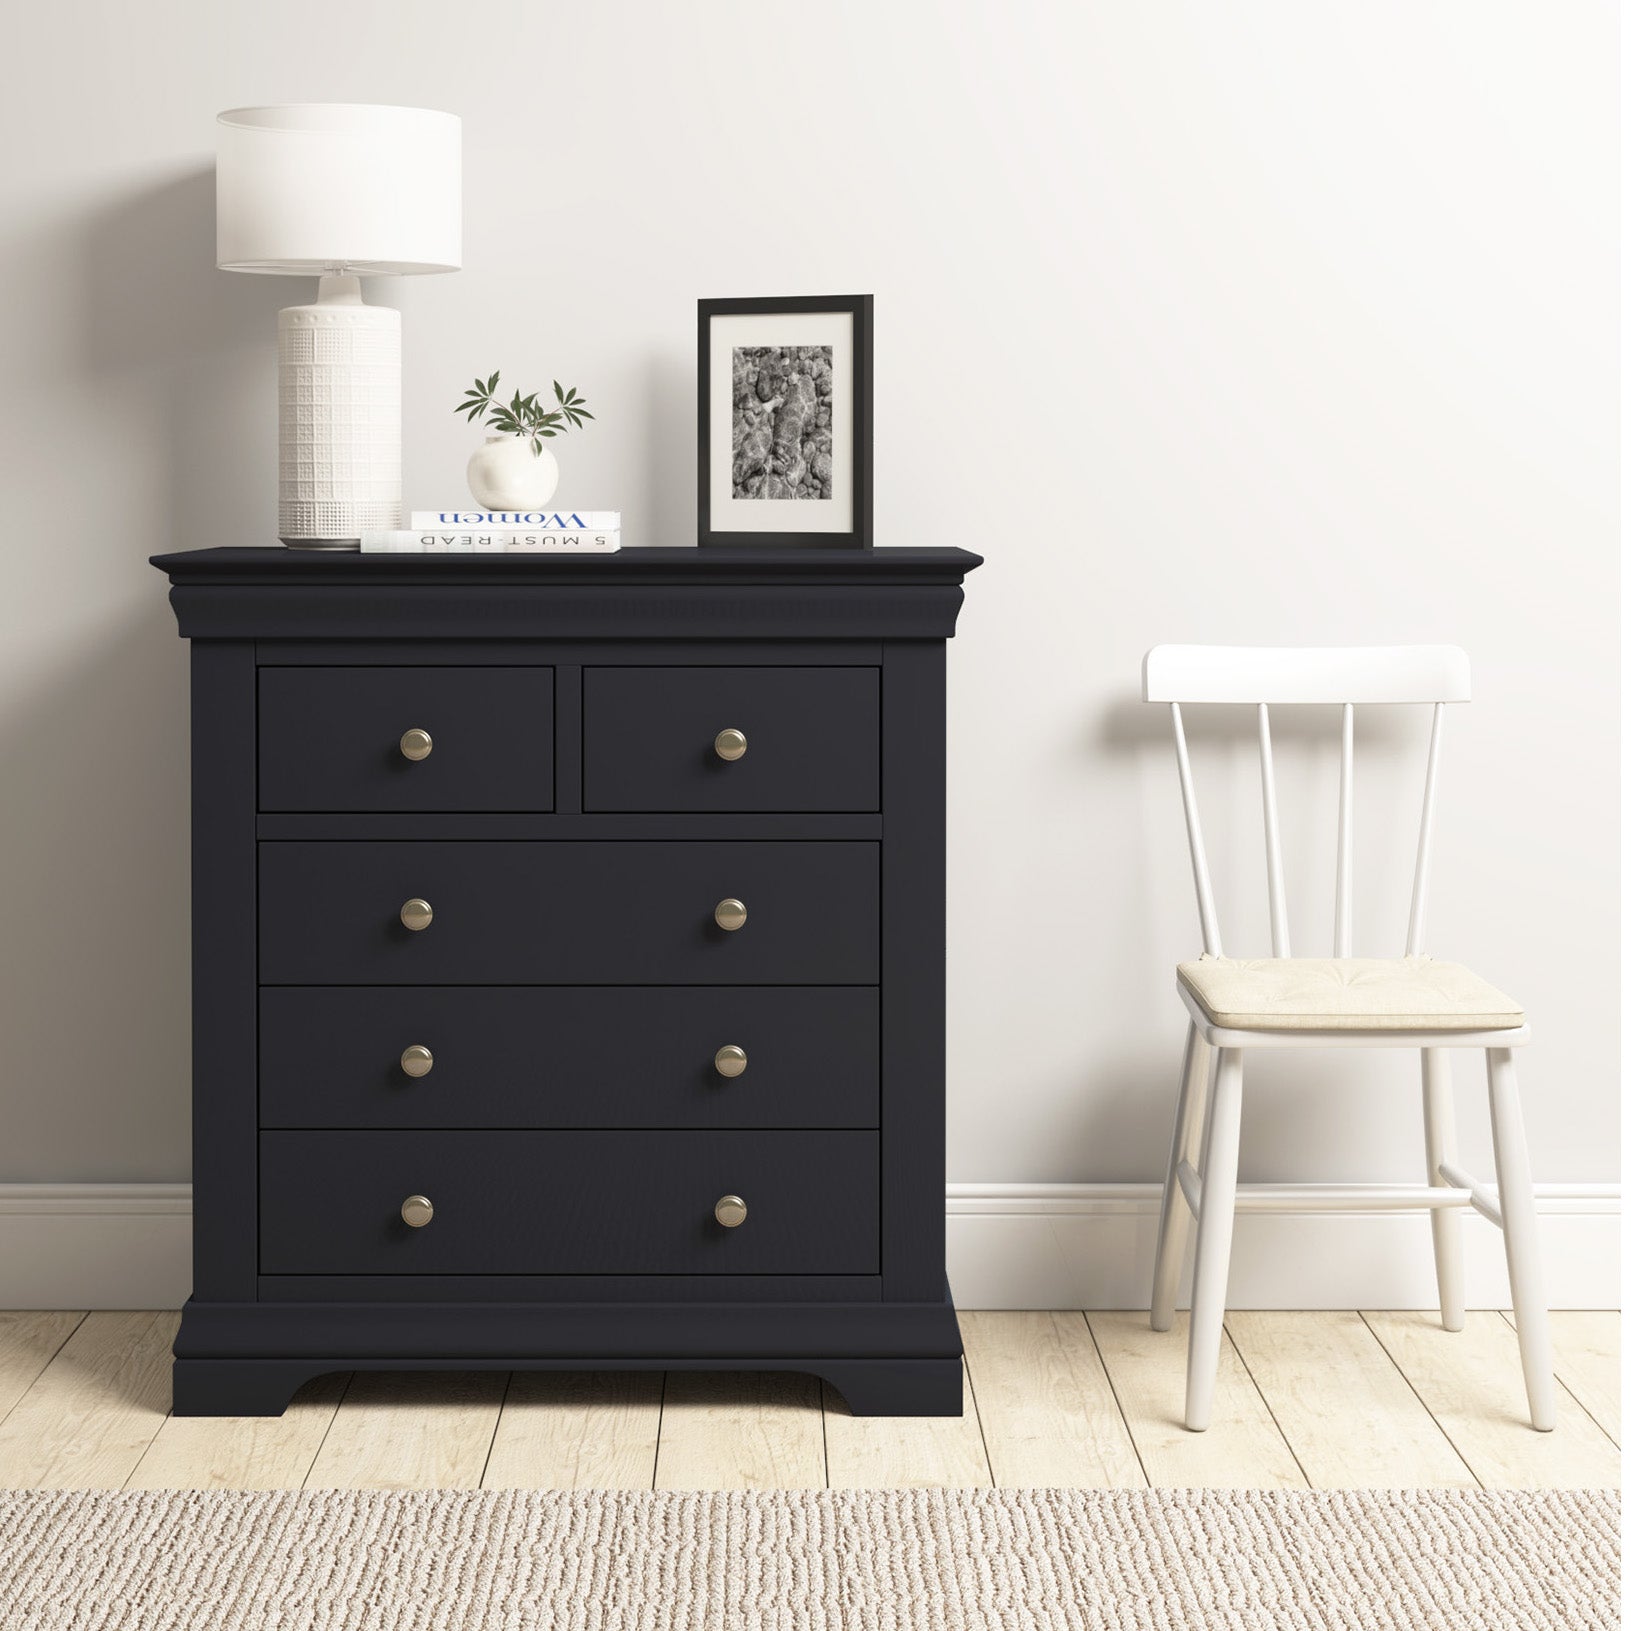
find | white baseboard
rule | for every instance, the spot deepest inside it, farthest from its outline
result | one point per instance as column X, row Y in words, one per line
column 1007, row 1246
column 95, row 1245
column 1093, row 1246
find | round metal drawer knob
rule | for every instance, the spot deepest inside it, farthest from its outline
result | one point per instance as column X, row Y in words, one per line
column 730, row 914
column 731, row 1060
column 416, row 914
column 417, row 1060
column 731, row 744
column 729, row 1210
column 415, row 744
column 417, row 1211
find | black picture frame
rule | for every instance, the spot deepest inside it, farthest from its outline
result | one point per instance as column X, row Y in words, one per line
column 859, row 535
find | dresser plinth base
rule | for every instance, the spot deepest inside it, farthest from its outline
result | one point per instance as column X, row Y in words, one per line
column 870, row 1387
column 886, row 1359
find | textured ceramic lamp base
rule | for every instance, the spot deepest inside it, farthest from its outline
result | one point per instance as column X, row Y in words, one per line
column 339, row 419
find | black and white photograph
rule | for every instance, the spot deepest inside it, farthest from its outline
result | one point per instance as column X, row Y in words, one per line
column 784, row 416
column 781, row 421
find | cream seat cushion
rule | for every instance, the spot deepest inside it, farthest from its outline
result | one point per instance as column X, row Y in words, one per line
column 1346, row 994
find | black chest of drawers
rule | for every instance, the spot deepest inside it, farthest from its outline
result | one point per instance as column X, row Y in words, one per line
column 569, row 957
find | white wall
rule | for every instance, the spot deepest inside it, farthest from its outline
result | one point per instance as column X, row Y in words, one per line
column 1265, row 322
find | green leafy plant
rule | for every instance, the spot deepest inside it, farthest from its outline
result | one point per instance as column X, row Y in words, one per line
column 524, row 415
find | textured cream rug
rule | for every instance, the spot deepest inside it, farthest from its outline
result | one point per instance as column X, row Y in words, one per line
column 979, row 1560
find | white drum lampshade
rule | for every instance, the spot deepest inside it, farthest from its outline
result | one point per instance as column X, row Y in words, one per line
column 341, row 191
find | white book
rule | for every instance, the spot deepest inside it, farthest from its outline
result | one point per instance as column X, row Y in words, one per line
column 468, row 541
column 522, row 520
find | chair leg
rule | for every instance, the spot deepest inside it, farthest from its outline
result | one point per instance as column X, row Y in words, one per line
column 1438, row 1117
column 1217, row 1223
column 1173, row 1234
column 1520, row 1229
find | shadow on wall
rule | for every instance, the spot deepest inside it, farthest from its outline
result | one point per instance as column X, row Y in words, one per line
column 1307, row 1116
column 93, row 978
column 669, row 470
column 1123, row 1102
column 200, row 347
column 176, row 363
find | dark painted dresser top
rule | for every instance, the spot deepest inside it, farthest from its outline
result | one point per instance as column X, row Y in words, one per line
column 277, row 593
column 277, row 565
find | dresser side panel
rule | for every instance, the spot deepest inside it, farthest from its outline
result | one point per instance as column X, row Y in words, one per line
column 224, row 970
column 913, row 965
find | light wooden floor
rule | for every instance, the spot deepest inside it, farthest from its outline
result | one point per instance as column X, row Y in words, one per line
column 1326, row 1399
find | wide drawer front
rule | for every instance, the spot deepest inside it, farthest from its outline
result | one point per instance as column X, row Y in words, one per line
column 415, row 739
column 568, row 1202
column 741, row 739
column 568, row 913
column 568, row 1056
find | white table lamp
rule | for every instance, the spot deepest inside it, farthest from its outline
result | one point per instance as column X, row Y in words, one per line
column 341, row 191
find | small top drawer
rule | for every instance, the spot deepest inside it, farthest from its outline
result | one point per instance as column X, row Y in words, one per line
column 730, row 739
column 417, row 739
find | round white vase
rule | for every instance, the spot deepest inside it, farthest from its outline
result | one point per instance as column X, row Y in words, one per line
column 505, row 474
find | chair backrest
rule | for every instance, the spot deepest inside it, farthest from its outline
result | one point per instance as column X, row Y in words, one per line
column 1349, row 676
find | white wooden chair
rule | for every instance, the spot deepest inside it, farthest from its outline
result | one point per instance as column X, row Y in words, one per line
column 1344, row 1002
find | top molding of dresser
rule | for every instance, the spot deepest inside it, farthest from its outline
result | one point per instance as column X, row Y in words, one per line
column 246, row 594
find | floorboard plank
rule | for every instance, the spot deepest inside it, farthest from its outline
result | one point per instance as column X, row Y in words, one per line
column 741, row 1430
column 242, row 1452
column 1242, row 1449
column 1586, row 1359
column 905, row 1452
column 1345, row 1410
column 28, row 1343
column 91, row 1413
column 1472, row 1381
column 1381, row 1399
column 577, row 1430
column 1050, row 1417
column 410, row 1430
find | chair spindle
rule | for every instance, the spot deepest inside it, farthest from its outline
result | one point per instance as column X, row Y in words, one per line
column 1211, row 940
column 1278, row 928
column 1344, row 937
column 1416, row 935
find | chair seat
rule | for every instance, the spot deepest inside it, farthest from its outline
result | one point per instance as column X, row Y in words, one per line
column 1346, row 994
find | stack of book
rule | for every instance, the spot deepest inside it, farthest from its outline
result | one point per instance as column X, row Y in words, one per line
column 501, row 532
